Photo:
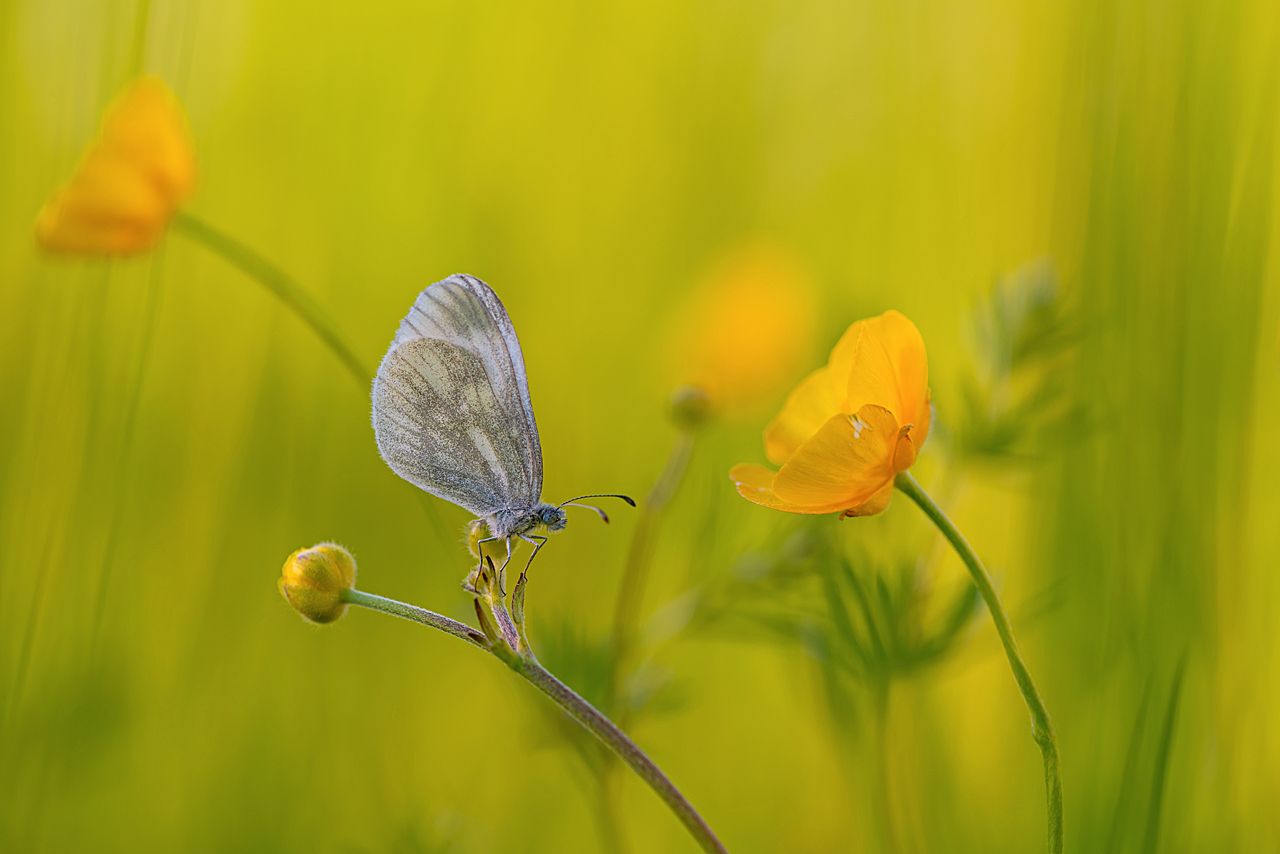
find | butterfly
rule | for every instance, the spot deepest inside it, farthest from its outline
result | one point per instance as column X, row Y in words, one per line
column 452, row 415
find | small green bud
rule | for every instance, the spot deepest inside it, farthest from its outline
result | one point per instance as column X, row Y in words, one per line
column 313, row 581
column 690, row 406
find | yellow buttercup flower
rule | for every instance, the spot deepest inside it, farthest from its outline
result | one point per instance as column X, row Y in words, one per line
column 746, row 327
column 849, row 428
column 130, row 181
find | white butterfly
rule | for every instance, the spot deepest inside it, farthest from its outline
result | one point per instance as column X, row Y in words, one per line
column 452, row 415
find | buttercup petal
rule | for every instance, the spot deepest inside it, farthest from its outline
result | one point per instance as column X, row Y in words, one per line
column 755, row 483
column 130, row 181
column 845, row 463
column 904, row 453
column 903, row 342
column 875, row 504
column 146, row 127
column 108, row 207
column 815, row 400
column 920, row 425
column 890, row 366
column 842, row 358
column 891, row 369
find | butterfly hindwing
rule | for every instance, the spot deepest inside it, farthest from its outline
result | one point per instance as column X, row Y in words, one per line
column 451, row 406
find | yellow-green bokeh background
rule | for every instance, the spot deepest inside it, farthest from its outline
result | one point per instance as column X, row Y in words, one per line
column 592, row 161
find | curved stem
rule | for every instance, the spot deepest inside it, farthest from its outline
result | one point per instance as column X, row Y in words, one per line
column 569, row 701
column 626, row 749
column 279, row 283
column 1042, row 727
column 417, row 615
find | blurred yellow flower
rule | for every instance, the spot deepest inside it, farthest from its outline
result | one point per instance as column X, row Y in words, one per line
column 747, row 328
column 130, row 181
column 849, row 427
column 313, row 581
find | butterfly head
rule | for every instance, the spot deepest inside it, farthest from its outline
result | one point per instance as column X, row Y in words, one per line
column 551, row 517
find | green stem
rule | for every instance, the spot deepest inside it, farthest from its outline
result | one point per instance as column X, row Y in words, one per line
column 1042, row 727
column 570, row 702
column 417, row 615
column 279, row 283
column 635, row 573
column 880, row 695
column 626, row 749
column 1162, row 761
column 608, row 816
column 155, row 281
column 138, row 49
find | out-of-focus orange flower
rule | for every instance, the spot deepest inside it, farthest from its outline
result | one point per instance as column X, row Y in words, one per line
column 746, row 328
column 849, row 427
column 130, row 181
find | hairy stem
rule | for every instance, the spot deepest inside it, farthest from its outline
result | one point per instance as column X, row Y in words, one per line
column 1042, row 727
column 282, row 285
column 626, row 749
column 569, row 701
column 417, row 615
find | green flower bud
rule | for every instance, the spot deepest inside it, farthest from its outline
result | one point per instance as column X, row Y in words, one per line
column 313, row 581
column 690, row 406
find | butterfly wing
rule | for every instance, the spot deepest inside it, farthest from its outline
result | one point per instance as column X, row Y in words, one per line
column 451, row 407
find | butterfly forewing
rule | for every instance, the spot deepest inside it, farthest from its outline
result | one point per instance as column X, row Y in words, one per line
column 451, row 408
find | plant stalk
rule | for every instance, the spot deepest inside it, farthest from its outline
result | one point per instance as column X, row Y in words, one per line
column 569, row 701
column 418, row 615
column 635, row 573
column 282, row 285
column 626, row 749
column 1042, row 727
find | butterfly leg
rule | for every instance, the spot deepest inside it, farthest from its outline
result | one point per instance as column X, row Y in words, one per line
column 540, row 542
column 502, row 571
column 480, row 547
column 480, row 544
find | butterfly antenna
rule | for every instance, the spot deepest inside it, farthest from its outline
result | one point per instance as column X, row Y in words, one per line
column 626, row 498
column 603, row 515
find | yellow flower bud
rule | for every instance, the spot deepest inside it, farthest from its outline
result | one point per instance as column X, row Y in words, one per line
column 314, row 579
column 475, row 533
column 130, row 181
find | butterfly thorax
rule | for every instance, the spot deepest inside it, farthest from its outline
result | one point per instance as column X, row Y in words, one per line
column 509, row 523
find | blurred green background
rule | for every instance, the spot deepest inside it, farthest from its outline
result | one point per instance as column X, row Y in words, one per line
column 1072, row 201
